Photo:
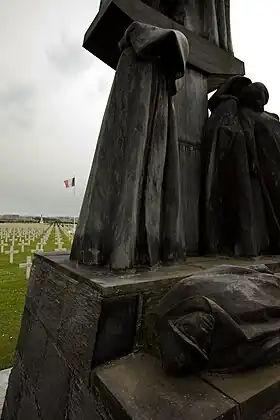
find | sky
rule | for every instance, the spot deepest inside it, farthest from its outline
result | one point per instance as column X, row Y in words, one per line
column 53, row 94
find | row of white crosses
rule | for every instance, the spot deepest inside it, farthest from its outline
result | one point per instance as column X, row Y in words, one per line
column 44, row 240
column 21, row 235
column 68, row 231
column 58, row 240
column 39, row 247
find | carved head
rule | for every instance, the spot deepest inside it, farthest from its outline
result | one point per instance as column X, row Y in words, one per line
column 232, row 87
column 185, row 342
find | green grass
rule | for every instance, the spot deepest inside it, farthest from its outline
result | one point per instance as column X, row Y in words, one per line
column 13, row 285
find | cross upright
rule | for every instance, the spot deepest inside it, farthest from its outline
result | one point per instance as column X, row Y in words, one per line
column 2, row 246
column 114, row 17
column 27, row 265
column 13, row 240
column 22, row 245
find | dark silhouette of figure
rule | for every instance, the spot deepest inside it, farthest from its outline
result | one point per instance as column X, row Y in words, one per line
column 240, row 198
column 132, row 209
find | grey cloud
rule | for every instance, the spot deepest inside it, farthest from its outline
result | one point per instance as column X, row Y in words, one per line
column 17, row 95
column 103, row 85
column 17, row 102
column 68, row 57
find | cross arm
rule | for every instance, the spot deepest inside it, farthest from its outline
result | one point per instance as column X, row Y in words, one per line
column 105, row 32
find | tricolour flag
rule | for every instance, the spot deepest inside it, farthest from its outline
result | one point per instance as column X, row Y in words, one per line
column 69, row 182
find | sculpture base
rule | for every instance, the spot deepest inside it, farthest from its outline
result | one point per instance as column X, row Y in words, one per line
column 77, row 318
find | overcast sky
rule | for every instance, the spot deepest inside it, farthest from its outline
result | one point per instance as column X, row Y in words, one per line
column 53, row 94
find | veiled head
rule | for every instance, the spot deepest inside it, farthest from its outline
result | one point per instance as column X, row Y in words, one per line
column 255, row 96
column 232, row 87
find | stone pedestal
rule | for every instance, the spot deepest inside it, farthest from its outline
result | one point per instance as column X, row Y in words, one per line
column 77, row 319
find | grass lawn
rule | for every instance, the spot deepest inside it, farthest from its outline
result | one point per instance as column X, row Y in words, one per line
column 13, row 285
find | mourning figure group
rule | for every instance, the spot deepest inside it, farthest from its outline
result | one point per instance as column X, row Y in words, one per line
column 155, row 196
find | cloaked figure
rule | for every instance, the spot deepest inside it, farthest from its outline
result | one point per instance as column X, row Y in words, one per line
column 132, row 209
column 240, row 198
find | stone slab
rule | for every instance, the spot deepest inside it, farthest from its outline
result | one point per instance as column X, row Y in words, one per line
column 4, row 378
column 136, row 387
column 257, row 392
column 110, row 284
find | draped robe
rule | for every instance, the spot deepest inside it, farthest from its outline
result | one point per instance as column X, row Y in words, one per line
column 211, row 20
column 131, row 213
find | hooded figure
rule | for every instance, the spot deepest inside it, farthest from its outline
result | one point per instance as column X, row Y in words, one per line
column 131, row 212
column 240, row 199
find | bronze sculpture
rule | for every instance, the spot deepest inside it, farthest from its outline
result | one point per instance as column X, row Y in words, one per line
column 225, row 319
column 211, row 20
column 141, row 205
column 240, row 180
column 146, row 183
column 132, row 206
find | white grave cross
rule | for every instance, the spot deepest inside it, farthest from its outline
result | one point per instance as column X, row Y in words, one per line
column 11, row 253
column 27, row 266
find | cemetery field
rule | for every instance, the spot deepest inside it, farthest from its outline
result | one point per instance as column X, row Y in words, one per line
column 18, row 242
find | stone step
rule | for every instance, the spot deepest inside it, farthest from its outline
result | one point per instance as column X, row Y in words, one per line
column 136, row 388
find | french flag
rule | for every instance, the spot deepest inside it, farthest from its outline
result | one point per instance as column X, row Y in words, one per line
column 69, row 182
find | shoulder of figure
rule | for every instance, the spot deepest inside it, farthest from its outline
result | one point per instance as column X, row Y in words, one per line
column 222, row 101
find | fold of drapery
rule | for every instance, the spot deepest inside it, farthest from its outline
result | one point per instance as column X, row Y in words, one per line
column 131, row 213
column 217, row 23
column 207, row 18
